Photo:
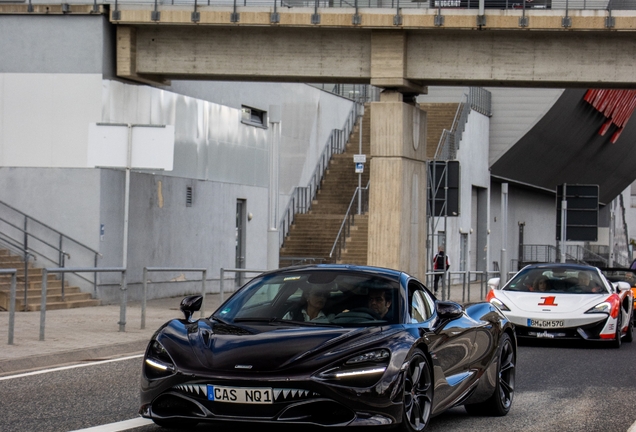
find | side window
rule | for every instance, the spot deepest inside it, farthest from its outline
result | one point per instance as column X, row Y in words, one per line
column 420, row 304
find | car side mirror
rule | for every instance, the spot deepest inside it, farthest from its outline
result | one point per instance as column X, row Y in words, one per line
column 449, row 309
column 191, row 304
column 622, row 286
column 493, row 283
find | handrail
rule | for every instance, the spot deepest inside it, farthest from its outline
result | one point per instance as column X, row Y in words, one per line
column 345, row 222
column 301, row 198
column 28, row 236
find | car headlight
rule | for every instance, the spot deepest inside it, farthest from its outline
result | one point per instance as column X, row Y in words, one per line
column 501, row 305
column 604, row 307
column 158, row 362
column 361, row 370
column 610, row 306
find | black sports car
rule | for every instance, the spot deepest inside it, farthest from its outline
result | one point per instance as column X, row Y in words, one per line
column 329, row 345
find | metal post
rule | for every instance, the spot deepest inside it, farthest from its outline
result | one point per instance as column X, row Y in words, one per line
column 610, row 258
column 12, row 305
column 127, row 197
column 273, row 245
column 360, row 174
column 143, row 299
column 43, row 303
column 221, row 283
column 564, row 221
column 503, row 266
column 122, row 309
column 203, row 278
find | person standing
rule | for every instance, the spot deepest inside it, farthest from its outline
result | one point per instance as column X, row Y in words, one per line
column 440, row 264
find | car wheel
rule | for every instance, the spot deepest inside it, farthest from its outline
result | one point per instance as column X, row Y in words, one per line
column 619, row 327
column 629, row 337
column 417, row 393
column 178, row 424
column 499, row 403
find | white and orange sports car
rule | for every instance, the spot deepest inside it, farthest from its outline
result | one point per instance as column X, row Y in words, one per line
column 566, row 301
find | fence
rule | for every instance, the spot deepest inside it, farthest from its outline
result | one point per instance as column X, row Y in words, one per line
column 170, row 269
column 123, row 288
column 447, row 289
column 233, row 270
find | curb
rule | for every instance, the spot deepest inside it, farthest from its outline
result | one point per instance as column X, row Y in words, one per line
column 26, row 364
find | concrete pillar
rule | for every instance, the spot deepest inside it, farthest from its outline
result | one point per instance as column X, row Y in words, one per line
column 397, row 209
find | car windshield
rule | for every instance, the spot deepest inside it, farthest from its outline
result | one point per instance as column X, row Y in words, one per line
column 561, row 279
column 314, row 298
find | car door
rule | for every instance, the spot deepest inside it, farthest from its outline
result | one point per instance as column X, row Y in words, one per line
column 451, row 345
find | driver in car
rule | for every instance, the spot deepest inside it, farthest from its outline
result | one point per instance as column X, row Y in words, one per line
column 380, row 302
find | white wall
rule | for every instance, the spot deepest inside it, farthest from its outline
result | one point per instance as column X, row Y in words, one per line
column 44, row 118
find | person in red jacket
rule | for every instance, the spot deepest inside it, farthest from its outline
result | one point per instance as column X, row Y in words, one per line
column 440, row 263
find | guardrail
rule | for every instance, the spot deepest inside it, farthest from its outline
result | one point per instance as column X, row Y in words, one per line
column 123, row 288
column 233, row 270
column 12, row 296
column 170, row 269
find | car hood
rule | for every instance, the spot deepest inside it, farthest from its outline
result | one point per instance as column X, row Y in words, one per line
column 262, row 348
column 548, row 302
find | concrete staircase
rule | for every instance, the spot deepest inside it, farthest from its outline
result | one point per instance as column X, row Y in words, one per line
column 313, row 234
column 439, row 116
column 73, row 297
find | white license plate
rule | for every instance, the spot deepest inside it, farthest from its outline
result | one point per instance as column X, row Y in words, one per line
column 546, row 323
column 241, row 395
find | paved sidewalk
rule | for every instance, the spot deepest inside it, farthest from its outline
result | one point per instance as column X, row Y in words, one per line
column 89, row 333
column 92, row 333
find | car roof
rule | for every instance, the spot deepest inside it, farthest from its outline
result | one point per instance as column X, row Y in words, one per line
column 380, row 271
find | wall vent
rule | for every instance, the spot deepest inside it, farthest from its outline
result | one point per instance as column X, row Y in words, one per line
column 188, row 196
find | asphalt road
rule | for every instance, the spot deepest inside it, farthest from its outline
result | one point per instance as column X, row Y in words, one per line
column 559, row 388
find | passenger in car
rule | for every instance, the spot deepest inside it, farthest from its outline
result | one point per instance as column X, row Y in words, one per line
column 541, row 284
column 311, row 305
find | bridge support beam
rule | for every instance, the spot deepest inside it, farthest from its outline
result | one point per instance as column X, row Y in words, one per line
column 397, row 196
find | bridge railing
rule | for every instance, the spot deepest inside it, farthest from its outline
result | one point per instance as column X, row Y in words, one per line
column 387, row 4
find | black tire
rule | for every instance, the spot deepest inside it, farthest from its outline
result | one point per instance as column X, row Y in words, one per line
column 500, row 402
column 176, row 424
column 629, row 337
column 616, row 343
column 417, row 393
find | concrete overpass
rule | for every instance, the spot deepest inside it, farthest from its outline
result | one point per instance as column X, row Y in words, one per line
column 400, row 50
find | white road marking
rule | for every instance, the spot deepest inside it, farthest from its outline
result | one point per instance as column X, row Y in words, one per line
column 118, row 426
column 632, row 428
column 43, row 371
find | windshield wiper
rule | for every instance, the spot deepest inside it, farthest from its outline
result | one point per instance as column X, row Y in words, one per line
column 275, row 320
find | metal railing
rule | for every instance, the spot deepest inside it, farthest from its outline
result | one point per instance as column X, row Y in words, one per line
column 233, row 270
column 549, row 253
column 394, row 4
column 301, row 198
column 203, row 272
column 32, row 238
column 123, row 291
column 347, row 222
column 446, row 287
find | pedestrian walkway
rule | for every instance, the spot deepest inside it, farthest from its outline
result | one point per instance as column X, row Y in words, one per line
column 83, row 334
column 92, row 333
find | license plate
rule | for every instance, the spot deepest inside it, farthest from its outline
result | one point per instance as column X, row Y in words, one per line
column 546, row 323
column 242, row 395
